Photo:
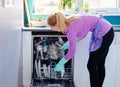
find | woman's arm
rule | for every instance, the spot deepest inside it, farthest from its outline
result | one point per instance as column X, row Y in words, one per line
column 66, row 44
column 72, row 44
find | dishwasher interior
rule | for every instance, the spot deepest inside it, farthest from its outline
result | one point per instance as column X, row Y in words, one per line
column 46, row 54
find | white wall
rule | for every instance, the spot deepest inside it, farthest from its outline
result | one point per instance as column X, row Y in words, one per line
column 10, row 36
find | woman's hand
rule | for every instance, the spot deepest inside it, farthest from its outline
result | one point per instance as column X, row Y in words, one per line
column 65, row 46
column 60, row 65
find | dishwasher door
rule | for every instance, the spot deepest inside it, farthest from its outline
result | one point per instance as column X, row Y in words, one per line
column 46, row 53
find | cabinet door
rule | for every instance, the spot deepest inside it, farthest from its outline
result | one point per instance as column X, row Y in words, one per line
column 81, row 75
column 26, row 38
column 117, row 73
column 111, row 64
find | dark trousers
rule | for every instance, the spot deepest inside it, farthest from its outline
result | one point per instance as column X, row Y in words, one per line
column 96, row 62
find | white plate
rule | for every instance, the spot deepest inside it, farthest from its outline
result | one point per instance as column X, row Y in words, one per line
column 39, row 24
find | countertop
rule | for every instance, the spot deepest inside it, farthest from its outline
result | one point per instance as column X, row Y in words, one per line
column 48, row 29
column 36, row 29
column 41, row 30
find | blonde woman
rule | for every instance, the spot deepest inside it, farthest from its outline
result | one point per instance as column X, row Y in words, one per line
column 76, row 28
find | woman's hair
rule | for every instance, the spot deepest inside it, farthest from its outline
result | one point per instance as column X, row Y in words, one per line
column 59, row 19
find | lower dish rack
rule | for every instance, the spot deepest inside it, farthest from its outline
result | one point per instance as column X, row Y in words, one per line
column 46, row 54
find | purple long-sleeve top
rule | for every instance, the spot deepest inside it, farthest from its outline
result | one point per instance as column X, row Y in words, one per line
column 80, row 27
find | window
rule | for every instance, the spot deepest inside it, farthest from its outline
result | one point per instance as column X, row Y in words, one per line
column 45, row 6
column 94, row 6
column 49, row 6
column 103, row 6
column 102, row 3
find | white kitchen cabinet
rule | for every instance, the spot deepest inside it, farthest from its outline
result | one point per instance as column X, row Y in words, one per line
column 111, row 65
column 81, row 75
column 27, row 43
column 117, row 74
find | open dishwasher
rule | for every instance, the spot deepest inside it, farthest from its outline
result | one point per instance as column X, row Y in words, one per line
column 46, row 53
